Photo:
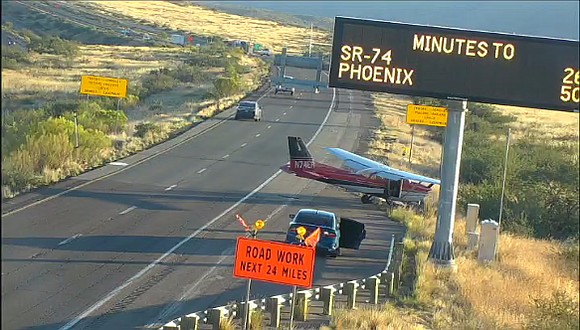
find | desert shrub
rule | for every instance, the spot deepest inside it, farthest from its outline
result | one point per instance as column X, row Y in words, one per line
column 559, row 311
column 92, row 116
column 17, row 125
column 541, row 197
column 190, row 74
column 60, row 108
column 142, row 129
column 13, row 57
column 224, row 86
column 54, row 45
column 156, row 82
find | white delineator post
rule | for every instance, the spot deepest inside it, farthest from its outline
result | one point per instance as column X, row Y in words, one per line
column 489, row 241
column 441, row 251
column 471, row 226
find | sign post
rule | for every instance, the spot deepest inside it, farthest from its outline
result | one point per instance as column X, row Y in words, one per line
column 301, row 231
column 273, row 262
column 441, row 251
column 253, row 233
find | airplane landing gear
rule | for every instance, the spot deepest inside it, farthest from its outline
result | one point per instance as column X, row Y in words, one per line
column 366, row 199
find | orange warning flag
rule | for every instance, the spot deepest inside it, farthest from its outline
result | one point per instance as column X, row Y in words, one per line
column 313, row 239
column 242, row 222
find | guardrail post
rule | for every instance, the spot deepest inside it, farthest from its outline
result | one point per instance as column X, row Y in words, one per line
column 301, row 306
column 351, row 287
column 240, row 309
column 189, row 322
column 214, row 316
column 399, row 250
column 327, row 297
column 389, row 279
column 275, row 309
column 373, row 285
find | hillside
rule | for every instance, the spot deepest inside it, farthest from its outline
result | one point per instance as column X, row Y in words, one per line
column 204, row 21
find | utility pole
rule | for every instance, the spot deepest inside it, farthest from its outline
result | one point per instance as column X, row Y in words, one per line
column 310, row 41
column 505, row 166
column 441, row 251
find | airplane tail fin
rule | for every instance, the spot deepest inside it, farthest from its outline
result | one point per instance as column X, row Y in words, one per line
column 300, row 157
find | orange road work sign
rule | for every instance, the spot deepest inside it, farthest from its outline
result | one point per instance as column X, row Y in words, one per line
column 274, row 262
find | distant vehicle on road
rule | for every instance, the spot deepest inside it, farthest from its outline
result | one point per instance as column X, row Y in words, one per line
column 336, row 232
column 284, row 89
column 177, row 39
column 249, row 110
column 264, row 52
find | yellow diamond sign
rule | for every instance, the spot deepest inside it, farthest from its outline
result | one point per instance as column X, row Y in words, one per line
column 426, row 115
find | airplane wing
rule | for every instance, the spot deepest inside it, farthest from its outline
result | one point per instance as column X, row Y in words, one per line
column 365, row 166
column 354, row 161
column 394, row 174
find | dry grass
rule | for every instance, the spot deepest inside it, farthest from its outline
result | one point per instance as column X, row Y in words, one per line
column 385, row 317
column 52, row 75
column 550, row 124
column 203, row 21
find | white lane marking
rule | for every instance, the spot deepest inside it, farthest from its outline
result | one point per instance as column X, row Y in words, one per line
column 226, row 156
column 118, row 163
column 128, row 210
column 124, row 168
column 276, row 211
column 69, row 239
column 175, row 305
column 291, row 106
column 170, row 187
column 113, row 293
column 269, row 126
column 284, row 114
column 258, row 135
column 244, row 144
column 201, row 171
column 278, row 119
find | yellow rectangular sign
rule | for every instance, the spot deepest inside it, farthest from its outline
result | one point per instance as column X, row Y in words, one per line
column 426, row 115
column 104, row 86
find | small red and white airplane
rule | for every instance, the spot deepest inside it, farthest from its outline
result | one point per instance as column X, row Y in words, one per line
column 362, row 175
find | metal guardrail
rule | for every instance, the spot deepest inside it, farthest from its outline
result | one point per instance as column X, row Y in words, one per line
column 273, row 304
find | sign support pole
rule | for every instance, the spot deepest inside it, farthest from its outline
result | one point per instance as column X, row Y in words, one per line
column 441, row 251
column 292, row 307
column 254, row 234
column 412, row 140
column 300, row 231
column 247, row 308
column 76, row 130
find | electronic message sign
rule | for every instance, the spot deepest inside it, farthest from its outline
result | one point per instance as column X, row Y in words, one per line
column 442, row 62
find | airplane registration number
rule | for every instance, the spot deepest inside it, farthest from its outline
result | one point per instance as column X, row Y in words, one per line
column 303, row 164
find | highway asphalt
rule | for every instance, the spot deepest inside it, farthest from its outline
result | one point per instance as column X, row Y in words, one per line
column 154, row 239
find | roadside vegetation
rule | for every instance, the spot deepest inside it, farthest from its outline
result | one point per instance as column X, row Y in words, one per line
column 28, row 24
column 534, row 284
column 208, row 22
column 170, row 89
